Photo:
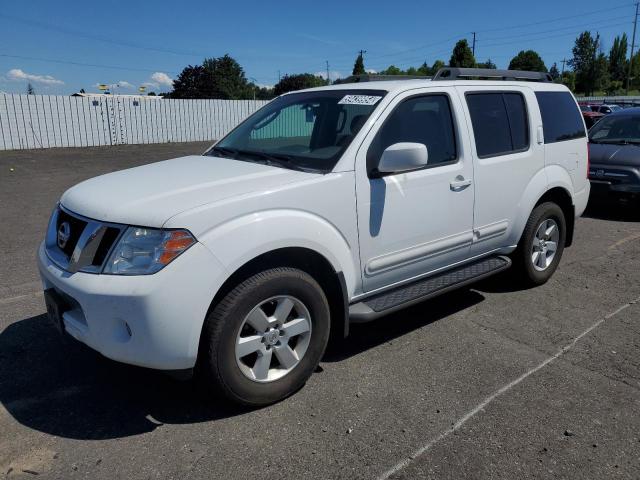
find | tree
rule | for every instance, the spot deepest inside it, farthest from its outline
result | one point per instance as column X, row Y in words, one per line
column 437, row 65
column 527, row 60
column 30, row 90
column 289, row 83
column 229, row 81
column 424, row 69
column 569, row 80
column 583, row 62
column 618, row 64
column 392, row 70
column 221, row 77
column 488, row 64
column 151, row 94
column 462, row 56
column 554, row 72
column 193, row 82
column 264, row 93
column 358, row 66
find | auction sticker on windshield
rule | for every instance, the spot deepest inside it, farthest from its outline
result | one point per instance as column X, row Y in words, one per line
column 359, row 100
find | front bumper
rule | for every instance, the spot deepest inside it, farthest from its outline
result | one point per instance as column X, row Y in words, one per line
column 623, row 180
column 152, row 321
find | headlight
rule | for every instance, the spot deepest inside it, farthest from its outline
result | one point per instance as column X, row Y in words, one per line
column 142, row 251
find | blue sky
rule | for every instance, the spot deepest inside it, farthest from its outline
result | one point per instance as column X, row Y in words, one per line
column 150, row 43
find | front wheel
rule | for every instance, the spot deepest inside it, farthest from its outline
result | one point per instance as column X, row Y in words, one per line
column 541, row 246
column 264, row 339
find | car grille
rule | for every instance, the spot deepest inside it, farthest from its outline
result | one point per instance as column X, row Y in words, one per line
column 79, row 244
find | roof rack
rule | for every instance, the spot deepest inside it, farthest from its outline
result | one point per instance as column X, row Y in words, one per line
column 455, row 73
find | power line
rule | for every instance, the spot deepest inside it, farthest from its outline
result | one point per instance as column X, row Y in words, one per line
column 81, row 34
column 585, row 14
column 625, row 17
column 81, row 64
column 600, row 27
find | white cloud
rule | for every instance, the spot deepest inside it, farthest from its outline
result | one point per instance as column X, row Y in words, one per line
column 333, row 74
column 371, row 71
column 162, row 79
column 125, row 84
column 18, row 74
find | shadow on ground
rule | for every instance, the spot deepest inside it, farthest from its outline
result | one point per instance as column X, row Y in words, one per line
column 601, row 207
column 65, row 389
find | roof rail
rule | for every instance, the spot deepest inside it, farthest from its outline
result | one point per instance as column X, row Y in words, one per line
column 455, row 73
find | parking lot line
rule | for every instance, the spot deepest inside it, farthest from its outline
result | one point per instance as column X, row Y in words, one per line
column 478, row 408
column 17, row 298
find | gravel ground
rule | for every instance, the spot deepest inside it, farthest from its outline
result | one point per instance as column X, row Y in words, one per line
column 486, row 382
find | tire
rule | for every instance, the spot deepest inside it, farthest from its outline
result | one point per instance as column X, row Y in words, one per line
column 529, row 269
column 279, row 363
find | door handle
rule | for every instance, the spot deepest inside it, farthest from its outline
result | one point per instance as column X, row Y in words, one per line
column 460, row 183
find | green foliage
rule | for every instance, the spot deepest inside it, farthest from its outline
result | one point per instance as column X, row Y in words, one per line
column 358, row 66
column 587, row 64
column 221, row 77
column 569, row 80
column 229, row 81
column 488, row 64
column 290, row 83
column 527, row 60
column 392, row 70
column 462, row 55
column 263, row 93
column 193, row 82
column 424, row 70
column 151, row 94
column 618, row 64
column 437, row 65
column 554, row 72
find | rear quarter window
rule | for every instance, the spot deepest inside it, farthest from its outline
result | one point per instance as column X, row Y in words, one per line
column 561, row 118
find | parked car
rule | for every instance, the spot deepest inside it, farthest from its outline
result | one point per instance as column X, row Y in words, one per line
column 590, row 117
column 606, row 109
column 328, row 206
column 615, row 155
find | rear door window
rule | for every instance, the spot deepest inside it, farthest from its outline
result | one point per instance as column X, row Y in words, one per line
column 561, row 118
column 500, row 122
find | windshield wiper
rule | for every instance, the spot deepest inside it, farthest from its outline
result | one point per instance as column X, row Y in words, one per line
column 228, row 152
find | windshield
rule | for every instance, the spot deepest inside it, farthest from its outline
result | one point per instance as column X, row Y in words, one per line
column 306, row 131
column 616, row 129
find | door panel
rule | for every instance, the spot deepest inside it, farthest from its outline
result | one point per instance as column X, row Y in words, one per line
column 415, row 222
column 501, row 177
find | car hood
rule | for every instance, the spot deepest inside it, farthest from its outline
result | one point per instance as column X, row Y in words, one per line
column 603, row 154
column 151, row 194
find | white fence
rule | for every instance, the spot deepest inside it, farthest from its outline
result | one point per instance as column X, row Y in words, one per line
column 46, row 121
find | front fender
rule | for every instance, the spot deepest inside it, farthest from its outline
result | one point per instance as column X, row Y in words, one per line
column 240, row 240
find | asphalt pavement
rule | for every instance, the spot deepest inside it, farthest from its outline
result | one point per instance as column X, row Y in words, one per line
column 487, row 382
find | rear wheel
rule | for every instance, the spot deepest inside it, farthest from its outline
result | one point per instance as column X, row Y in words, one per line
column 264, row 339
column 541, row 246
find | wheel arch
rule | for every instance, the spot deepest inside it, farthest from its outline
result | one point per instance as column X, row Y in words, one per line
column 310, row 261
column 561, row 197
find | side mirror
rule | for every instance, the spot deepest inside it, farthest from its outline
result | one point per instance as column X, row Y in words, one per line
column 402, row 157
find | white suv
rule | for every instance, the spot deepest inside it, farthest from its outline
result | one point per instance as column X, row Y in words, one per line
column 328, row 206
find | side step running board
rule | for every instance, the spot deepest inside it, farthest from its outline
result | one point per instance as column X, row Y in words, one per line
column 405, row 295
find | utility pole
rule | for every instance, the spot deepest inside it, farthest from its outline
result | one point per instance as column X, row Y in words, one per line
column 278, row 76
column 473, row 48
column 328, row 79
column 564, row 60
column 633, row 46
